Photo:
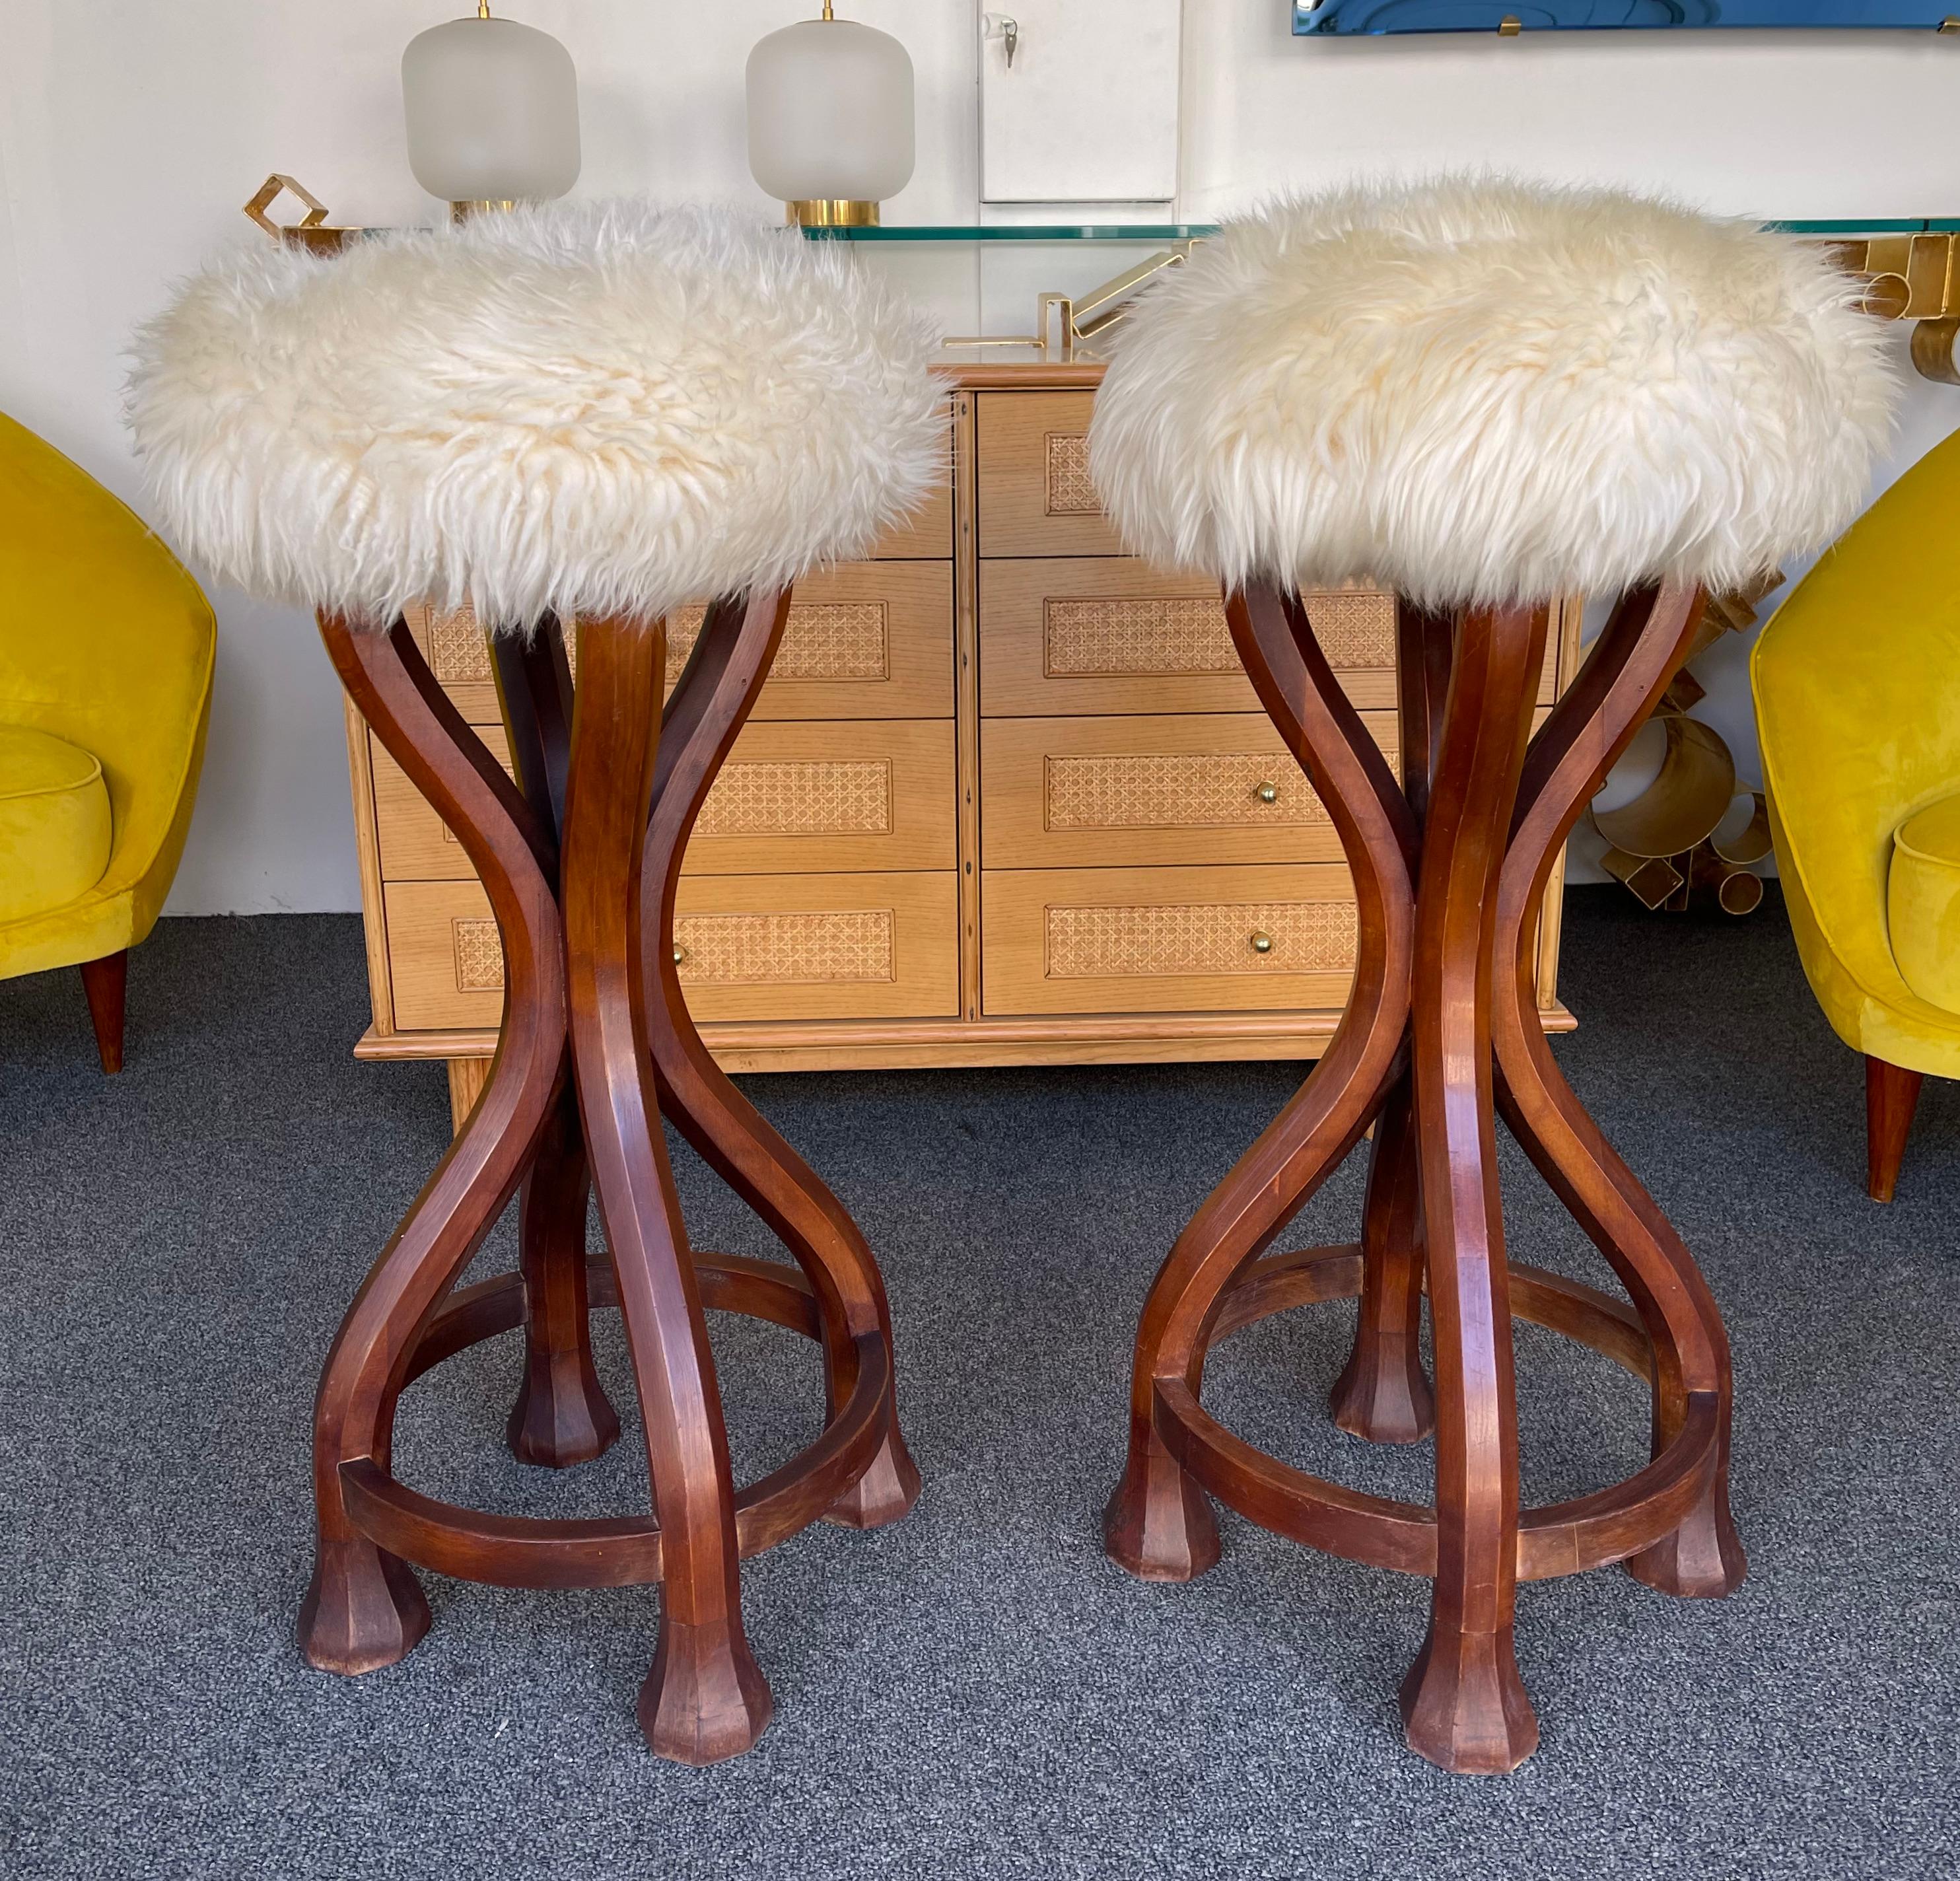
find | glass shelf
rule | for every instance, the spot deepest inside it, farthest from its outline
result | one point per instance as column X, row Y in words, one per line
column 1196, row 231
column 1019, row 232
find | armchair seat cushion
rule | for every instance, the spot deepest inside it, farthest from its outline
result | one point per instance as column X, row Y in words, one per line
column 1923, row 900
column 55, row 825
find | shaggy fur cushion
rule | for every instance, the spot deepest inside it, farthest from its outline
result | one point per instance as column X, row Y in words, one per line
column 1475, row 390
column 591, row 410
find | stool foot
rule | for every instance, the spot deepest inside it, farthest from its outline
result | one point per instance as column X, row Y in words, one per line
column 1702, row 1560
column 1158, row 1524
column 1464, row 1706
column 884, row 1493
column 1384, row 1394
column 560, row 1420
column 705, row 1699
column 364, row 1610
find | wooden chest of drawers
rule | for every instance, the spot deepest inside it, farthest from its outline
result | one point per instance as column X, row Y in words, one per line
column 1007, row 797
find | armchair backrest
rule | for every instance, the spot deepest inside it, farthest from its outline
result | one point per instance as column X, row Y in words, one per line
column 1857, row 686
column 105, row 641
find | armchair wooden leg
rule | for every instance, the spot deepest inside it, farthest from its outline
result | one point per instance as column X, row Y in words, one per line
column 1891, row 1094
column 107, row 983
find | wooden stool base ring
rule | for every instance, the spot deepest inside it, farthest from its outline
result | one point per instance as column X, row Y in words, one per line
column 1563, row 1537
column 624, row 1552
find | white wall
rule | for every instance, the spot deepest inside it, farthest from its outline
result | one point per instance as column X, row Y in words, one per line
column 129, row 134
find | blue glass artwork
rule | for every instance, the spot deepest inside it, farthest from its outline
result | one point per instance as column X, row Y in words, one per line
column 1489, row 16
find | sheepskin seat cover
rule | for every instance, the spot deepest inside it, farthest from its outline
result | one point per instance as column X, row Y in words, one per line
column 1475, row 390
column 596, row 410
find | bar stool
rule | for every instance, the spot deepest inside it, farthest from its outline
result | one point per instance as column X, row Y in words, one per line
column 1486, row 397
column 586, row 415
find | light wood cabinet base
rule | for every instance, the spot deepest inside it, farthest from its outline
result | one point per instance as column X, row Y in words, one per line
column 925, row 1045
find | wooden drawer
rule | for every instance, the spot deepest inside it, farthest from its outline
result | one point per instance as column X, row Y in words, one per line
column 814, row 947
column 1170, row 939
column 1035, row 495
column 928, row 534
column 868, row 640
column 1115, row 634
column 791, row 798
column 1058, row 793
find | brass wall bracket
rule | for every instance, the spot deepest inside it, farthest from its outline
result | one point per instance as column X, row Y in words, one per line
column 311, row 230
column 1913, row 278
column 1067, row 326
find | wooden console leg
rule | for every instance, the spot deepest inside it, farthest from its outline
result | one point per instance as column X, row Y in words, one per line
column 107, row 983
column 1384, row 1394
column 1463, row 1703
column 1891, row 1095
column 731, row 659
column 363, row 1608
column 705, row 1699
column 563, row 1415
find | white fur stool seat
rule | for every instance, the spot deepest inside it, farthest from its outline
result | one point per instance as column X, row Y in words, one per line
column 603, row 410
column 1476, row 391
column 568, row 418
column 1487, row 398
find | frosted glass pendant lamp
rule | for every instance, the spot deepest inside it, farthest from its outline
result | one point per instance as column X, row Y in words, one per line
column 492, row 110
column 831, row 119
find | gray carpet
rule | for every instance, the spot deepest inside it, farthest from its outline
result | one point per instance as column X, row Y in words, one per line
column 977, row 1692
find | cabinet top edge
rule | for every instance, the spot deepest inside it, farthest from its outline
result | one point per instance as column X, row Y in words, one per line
column 1051, row 375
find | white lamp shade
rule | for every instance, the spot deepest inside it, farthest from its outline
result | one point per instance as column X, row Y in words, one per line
column 830, row 113
column 492, row 110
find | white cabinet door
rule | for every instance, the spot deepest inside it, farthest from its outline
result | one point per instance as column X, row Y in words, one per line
column 1087, row 110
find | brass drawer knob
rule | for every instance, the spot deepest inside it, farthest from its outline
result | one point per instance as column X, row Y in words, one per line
column 1267, row 793
column 1262, row 942
column 679, row 955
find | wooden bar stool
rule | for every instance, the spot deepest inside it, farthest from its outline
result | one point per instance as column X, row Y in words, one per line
column 560, row 415
column 1485, row 397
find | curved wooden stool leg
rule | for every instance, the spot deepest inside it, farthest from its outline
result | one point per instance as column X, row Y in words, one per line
column 1384, row 1393
column 563, row 1415
column 363, row 1608
column 1590, row 727
column 731, row 659
column 1463, row 1702
column 1158, row 1523
column 706, row 1697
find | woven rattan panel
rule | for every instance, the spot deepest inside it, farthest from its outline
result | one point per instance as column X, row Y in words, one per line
column 479, row 956
column 794, row 798
column 459, row 655
column 1161, row 790
column 851, row 944
column 1200, row 938
column 1140, row 638
column 1069, row 491
column 822, row 640
column 761, row 949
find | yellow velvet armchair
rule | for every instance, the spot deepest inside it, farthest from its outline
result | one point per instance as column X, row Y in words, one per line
column 106, row 653
column 1857, row 689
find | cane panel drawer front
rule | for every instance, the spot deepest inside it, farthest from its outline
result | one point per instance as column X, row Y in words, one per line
column 1035, row 495
column 869, row 640
column 1095, row 634
column 1168, row 939
column 836, row 946
column 791, row 798
column 1190, row 788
